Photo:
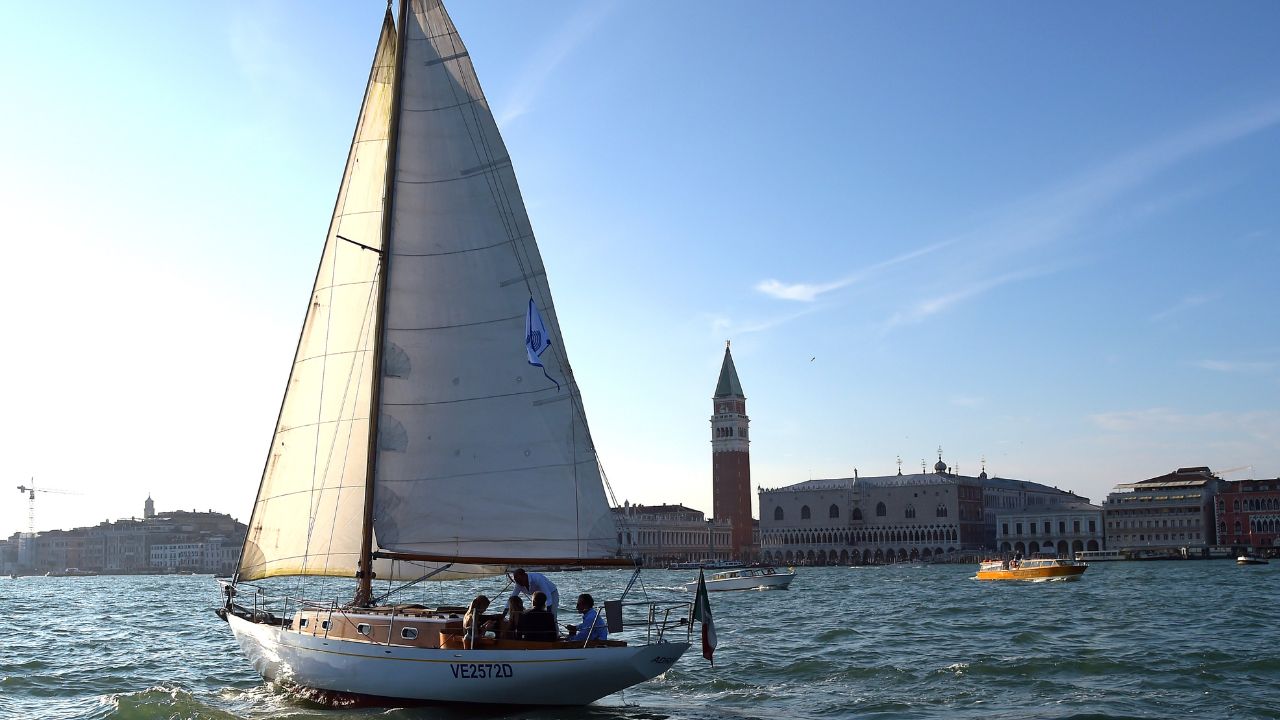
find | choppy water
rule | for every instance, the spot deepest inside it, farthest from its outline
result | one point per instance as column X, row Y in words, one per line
column 1150, row 640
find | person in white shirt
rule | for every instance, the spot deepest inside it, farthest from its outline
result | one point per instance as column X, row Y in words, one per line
column 528, row 583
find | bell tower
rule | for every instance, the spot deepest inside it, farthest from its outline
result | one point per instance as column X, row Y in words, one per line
column 731, row 458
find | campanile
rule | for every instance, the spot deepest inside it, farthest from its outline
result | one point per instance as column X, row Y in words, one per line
column 731, row 458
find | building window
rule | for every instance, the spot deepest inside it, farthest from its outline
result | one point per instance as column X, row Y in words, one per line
column 881, row 510
column 1046, row 527
column 1075, row 524
column 1004, row 528
column 857, row 514
column 777, row 513
column 1062, row 527
column 409, row 633
column 1093, row 527
column 911, row 511
column 941, row 511
column 833, row 511
column 804, row 512
column 1018, row 527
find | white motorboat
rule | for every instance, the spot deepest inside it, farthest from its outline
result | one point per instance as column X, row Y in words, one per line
column 429, row 393
column 756, row 578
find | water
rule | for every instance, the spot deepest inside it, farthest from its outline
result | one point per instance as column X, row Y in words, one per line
column 1143, row 640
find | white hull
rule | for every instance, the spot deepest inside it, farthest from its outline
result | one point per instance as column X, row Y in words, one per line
column 779, row 581
column 524, row 677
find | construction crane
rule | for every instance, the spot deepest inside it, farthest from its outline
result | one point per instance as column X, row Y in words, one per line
column 31, row 491
column 1220, row 473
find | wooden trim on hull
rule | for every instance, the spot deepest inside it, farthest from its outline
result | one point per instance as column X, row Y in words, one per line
column 1050, row 573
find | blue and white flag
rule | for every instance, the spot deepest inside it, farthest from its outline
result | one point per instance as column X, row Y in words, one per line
column 535, row 339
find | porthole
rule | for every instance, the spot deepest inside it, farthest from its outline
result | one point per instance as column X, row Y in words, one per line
column 302, row 623
column 409, row 633
column 324, row 624
column 364, row 629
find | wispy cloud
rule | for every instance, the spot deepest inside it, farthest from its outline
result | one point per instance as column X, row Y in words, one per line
column 548, row 57
column 1238, row 366
column 1185, row 303
column 934, row 305
column 1260, row 425
column 807, row 292
column 1041, row 221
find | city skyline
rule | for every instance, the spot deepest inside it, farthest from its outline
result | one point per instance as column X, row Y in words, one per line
column 1041, row 236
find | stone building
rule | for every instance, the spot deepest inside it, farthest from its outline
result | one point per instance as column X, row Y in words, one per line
column 1247, row 514
column 1170, row 515
column 658, row 535
column 893, row 518
column 1064, row 527
column 127, row 546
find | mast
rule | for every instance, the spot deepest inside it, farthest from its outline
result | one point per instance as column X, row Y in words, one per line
column 364, row 593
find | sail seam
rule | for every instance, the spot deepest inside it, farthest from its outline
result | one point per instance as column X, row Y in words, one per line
column 458, row 252
column 467, row 399
column 502, row 471
column 458, row 325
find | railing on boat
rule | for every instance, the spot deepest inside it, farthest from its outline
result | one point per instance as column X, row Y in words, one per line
column 661, row 619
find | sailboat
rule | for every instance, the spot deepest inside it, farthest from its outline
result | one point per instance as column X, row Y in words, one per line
column 431, row 426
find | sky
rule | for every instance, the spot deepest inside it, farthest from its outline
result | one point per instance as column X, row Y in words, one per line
column 1041, row 236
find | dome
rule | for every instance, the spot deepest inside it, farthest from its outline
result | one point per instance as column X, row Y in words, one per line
column 939, row 467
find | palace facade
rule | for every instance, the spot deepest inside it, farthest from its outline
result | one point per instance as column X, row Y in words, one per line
column 895, row 518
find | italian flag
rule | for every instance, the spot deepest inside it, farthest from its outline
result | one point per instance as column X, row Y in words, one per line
column 702, row 614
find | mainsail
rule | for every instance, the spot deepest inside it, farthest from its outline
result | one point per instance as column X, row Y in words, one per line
column 479, row 458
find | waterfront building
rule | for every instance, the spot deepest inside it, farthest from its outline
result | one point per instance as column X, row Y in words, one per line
column 894, row 518
column 731, row 459
column 658, row 535
column 1062, row 526
column 1247, row 514
column 1166, row 516
column 128, row 546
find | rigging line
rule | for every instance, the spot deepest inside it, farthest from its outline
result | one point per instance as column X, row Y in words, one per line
column 366, row 329
column 505, row 208
column 504, row 205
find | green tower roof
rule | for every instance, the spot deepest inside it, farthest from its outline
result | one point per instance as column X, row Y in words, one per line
column 728, row 385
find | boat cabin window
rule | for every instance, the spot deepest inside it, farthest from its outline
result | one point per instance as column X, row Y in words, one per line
column 409, row 633
column 324, row 624
column 302, row 623
column 364, row 629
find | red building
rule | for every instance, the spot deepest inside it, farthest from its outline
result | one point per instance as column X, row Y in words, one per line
column 731, row 460
column 1249, row 514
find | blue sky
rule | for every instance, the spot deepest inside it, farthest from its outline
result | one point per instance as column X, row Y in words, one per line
column 1043, row 235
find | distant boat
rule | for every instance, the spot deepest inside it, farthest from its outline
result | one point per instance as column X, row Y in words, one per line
column 761, row 578
column 1248, row 559
column 706, row 565
column 431, row 426
column 1031, row 569
column 77, row 572
column 1101, row 555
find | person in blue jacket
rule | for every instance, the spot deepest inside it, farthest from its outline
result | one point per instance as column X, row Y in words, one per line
column 593, row 626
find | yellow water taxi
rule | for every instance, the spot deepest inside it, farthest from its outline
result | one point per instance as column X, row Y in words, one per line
column 1033, row 569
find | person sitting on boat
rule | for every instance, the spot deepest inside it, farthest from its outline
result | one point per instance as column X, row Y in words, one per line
column 528, row 583
column 473, row 624
column 537, row 623
column 511, row 620
column 593, row 626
